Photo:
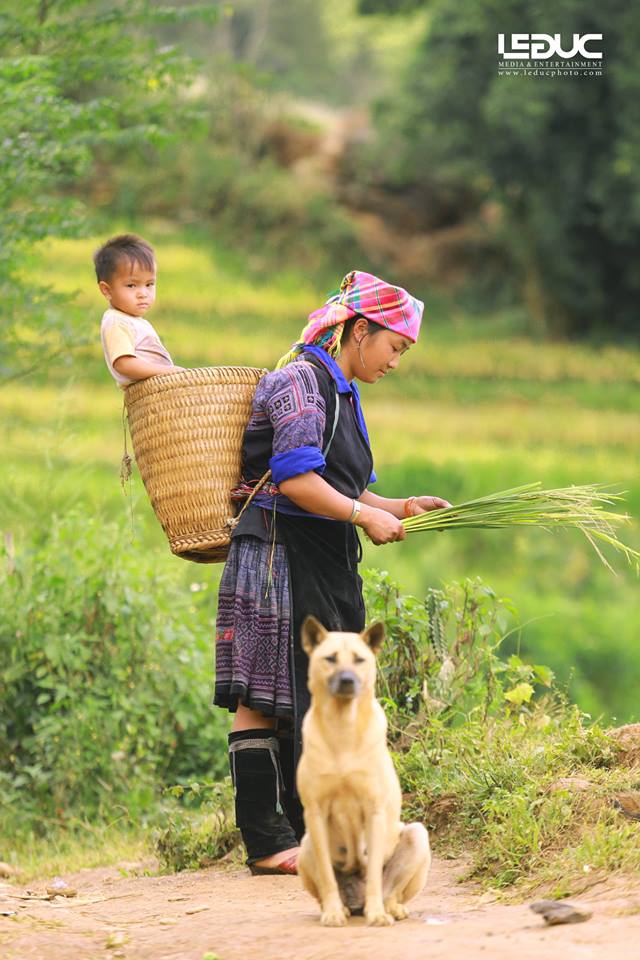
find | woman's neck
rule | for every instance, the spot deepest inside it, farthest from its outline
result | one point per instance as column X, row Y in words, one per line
column 345, row 362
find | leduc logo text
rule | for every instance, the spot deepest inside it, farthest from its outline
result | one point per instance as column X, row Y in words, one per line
column 542, row 46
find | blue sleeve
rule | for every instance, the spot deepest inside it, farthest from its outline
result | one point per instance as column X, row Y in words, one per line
column 294, row 462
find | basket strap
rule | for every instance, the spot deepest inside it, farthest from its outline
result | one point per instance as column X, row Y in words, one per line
column 234, row 521
column 125, row 465
column 336, row 417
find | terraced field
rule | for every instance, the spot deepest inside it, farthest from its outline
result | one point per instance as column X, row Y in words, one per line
column 468, row 412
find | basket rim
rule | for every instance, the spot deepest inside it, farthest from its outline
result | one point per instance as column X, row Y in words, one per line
column 193, row 376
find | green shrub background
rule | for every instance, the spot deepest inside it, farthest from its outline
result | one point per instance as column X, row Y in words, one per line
column 105, row 678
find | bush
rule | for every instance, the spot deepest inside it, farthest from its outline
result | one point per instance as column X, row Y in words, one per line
column 491, row 757
column 443, row 656
column 105, row 676
column 464, row 136
column 59, row 110
column 190, row 839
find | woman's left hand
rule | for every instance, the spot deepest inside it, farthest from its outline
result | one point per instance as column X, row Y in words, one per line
column 424, row 504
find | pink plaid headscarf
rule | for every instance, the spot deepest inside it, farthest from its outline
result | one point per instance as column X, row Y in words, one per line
column 365, row 295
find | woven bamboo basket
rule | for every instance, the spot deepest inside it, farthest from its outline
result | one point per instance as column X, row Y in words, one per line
column 187, row 430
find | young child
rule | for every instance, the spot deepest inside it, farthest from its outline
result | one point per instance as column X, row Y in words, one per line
column 126, row 274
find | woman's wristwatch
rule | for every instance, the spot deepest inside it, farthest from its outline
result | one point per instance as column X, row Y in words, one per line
column 355, row 513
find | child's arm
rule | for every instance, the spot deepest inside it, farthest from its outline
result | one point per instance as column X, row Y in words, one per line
column 134, row 368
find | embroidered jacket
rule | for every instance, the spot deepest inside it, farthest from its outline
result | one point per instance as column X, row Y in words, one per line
column 293, row 421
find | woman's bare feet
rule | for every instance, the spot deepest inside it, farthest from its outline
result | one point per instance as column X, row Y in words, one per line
column 277, row 858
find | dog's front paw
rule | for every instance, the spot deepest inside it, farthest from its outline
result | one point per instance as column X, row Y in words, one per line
column 397, row 910
column 335, row 915
column 378, row 917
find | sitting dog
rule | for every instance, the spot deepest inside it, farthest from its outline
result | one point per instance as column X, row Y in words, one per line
column 355, row 853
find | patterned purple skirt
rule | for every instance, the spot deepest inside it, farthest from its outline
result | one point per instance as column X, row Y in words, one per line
column 253, row 630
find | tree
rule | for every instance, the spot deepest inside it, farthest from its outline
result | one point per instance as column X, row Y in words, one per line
column 75, row 75
column 560, row 155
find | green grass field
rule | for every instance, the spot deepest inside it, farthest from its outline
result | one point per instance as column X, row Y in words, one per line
column 471, row 410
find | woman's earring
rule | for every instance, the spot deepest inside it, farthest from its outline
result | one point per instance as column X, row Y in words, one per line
column 360, row 354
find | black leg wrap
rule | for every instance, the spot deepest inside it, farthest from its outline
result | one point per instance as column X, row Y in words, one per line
column 291, row 800
column 259, row 792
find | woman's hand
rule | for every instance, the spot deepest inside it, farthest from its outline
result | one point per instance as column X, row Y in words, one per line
column 380, row 525
column 424, row 504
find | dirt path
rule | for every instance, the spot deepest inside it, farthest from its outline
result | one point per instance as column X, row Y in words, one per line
column 233, row 916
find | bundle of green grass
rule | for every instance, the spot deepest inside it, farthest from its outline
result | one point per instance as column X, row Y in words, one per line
column 584, row 507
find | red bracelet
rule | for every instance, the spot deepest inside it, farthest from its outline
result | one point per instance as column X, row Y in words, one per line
column 407, row 509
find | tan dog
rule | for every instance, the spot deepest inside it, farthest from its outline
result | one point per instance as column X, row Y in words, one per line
column 356, row 853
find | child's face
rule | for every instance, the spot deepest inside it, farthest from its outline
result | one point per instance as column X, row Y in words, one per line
column 132, row 288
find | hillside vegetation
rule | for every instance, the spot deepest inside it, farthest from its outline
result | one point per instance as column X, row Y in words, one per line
column 472, row 409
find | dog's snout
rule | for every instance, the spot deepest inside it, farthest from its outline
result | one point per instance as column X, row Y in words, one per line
column 344, row 683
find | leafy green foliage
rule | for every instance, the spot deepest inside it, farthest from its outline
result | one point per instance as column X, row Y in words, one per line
column 74, row 77
column 188, row 838
column 491, row 757
column 525, row 794
column 105, row 677
column 557, row 157
column 442, row 656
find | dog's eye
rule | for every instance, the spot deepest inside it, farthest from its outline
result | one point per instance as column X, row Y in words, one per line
column 358, row 659
column 332, row 659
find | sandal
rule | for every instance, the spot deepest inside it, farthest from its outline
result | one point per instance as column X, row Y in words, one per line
column 287, row 867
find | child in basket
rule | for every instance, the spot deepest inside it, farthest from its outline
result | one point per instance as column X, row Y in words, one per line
column 126, row 274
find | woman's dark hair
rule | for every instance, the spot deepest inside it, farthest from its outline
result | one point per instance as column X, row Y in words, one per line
column 372, row 328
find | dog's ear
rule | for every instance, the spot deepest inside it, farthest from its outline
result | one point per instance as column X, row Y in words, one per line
column 313, row 633
column 374, row 636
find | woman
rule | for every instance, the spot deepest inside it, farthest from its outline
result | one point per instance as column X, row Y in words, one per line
column 295, row 550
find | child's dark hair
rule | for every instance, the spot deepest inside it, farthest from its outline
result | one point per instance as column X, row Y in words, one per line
column 126, row 246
